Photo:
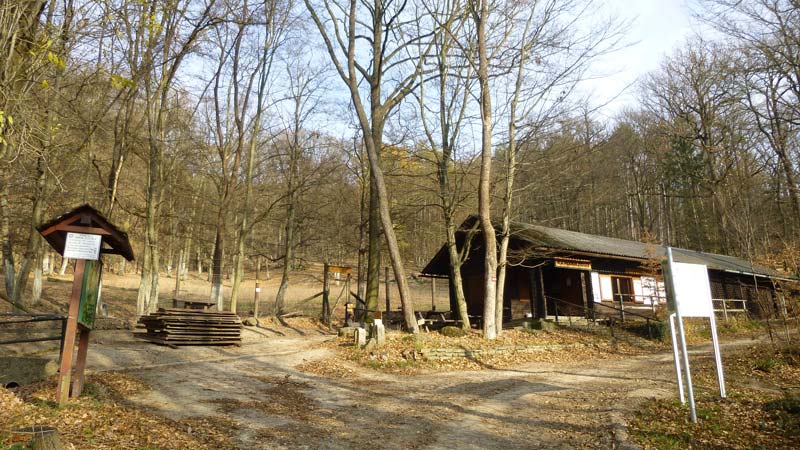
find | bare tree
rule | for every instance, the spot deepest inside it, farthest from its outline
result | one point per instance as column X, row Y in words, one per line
column 276, row 18
column 479, row 9
column 767, row 35
column 171, row 33
column 34, row 52
column 547, row 61
column 376, row 29
column 232, row 84
column 304, row 89
column 693, row 94
column 447, row 102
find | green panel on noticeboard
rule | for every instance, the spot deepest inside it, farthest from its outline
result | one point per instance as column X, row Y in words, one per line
column 90, row 293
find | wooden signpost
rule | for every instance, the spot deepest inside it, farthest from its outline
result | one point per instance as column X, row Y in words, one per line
column 84, row 235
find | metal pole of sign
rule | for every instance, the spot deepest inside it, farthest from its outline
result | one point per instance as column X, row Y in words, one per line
column 677, row 358
column 689, row 388
column 717, row 356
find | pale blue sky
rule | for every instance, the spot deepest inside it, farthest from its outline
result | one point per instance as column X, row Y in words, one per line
column 656, row 29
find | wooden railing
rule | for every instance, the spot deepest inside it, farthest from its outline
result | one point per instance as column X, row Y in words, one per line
column 729, row 305
column 589, row 313
column 15, row 318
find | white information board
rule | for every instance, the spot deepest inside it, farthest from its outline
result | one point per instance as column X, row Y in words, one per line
column 83, row 246
column 692, row 290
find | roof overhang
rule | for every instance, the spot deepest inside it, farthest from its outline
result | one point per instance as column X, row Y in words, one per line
column 85, row 219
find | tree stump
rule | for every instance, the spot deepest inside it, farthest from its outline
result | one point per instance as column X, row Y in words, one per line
column 42, row 438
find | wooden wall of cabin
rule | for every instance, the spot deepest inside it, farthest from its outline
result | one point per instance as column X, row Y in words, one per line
column 517, row 295
column 758, row 293
column 564, row 285
column 516, row 298
column 473, row 293
column 538, row 303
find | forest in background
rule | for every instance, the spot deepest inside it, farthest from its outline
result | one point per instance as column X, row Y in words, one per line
column 228, row 134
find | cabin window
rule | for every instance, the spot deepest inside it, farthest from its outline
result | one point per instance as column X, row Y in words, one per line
column 652, row 290
column 623, row 289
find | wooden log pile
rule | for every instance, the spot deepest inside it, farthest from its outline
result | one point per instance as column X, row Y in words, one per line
column 174, row 327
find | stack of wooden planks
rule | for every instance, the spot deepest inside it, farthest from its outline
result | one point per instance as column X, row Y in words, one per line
column 174, row 327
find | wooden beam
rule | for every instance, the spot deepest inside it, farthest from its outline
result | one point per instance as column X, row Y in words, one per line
column 80, row 364
column 53, row 228
column 584, row 295
column 65, row 374
column 80, row 229
column 386, row 290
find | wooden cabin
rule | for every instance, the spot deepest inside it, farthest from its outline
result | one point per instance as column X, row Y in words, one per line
column 560, row 272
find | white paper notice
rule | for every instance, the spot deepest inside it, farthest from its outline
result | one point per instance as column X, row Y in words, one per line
column 83, row 246
column 692, row 290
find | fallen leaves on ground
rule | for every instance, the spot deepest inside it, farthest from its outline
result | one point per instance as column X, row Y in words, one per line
column 284, row 398
column 101, row 419
column 762, row 409
column 404, row 353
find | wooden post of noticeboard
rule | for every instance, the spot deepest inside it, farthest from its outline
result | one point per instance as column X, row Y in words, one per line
column 65, row 374
column 80, row 364
column 387, row 291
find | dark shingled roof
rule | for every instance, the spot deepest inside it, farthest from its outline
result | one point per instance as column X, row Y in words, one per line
column 547, row 238
column 115, row 239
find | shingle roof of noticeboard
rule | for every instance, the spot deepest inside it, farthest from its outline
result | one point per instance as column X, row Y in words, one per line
column 116, row 240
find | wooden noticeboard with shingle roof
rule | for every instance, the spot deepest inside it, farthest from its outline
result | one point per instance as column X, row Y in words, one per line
column 84, row 235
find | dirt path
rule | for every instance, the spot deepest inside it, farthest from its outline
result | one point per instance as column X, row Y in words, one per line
column 260, row 397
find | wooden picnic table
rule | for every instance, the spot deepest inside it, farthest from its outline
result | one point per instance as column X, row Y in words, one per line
column 192, row 304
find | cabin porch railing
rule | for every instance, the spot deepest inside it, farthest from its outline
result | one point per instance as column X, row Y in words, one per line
column 589, row 313
column 647, row 300
column 729, row 305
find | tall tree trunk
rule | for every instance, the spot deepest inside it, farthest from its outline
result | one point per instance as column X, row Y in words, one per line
column 38, row 269
column 391, row 239
column 511, row 170
column 455, row 272
column 5, row 235
column 505, row 238
column 63, row 269
column 484, row 194
column 363, row 245
column 147, row 299
column 34, row 239
column 288, row 253
column 374, row 248
column 216, row 262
